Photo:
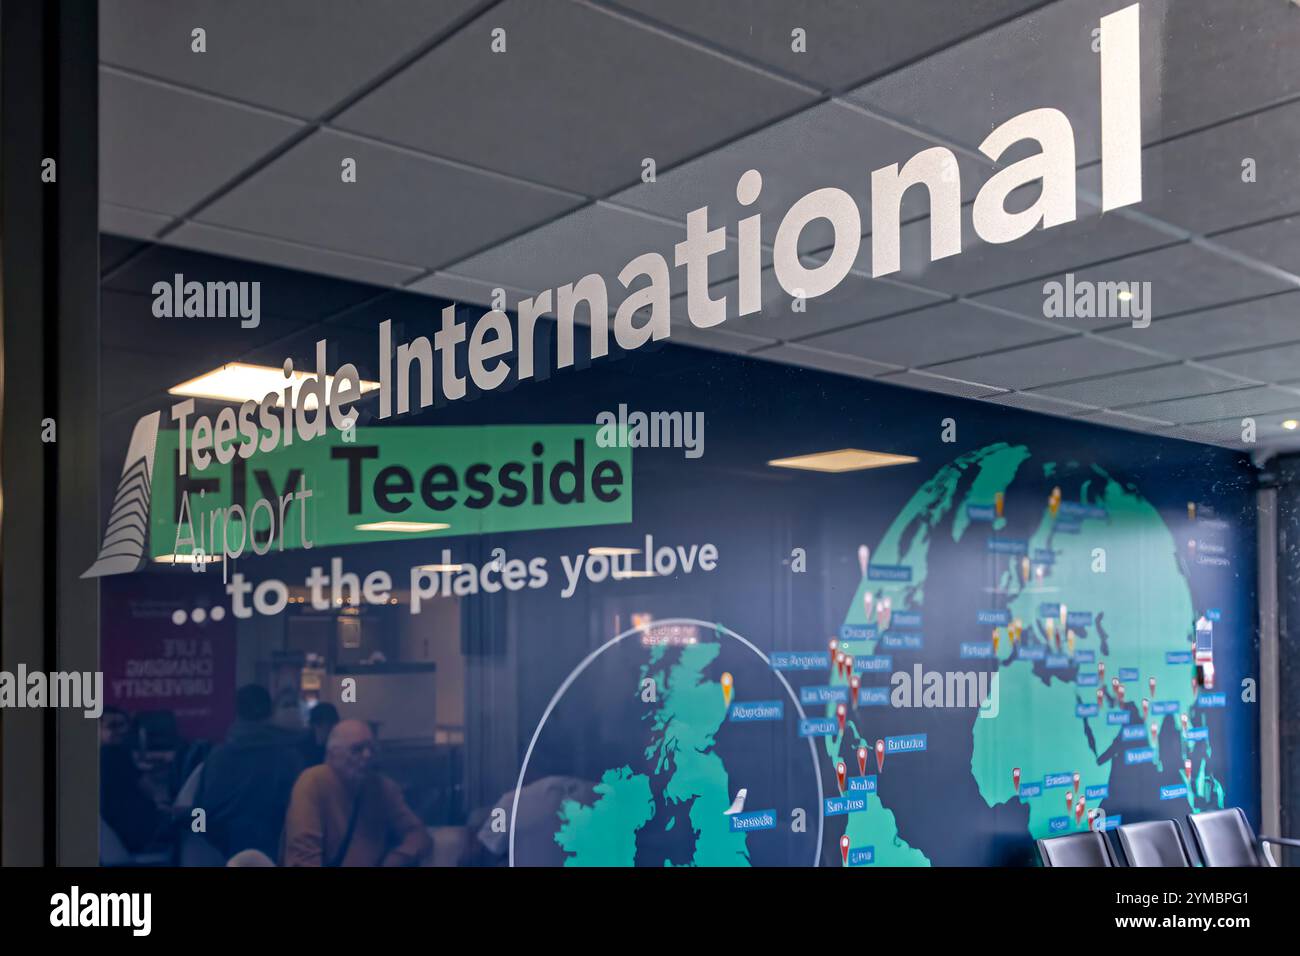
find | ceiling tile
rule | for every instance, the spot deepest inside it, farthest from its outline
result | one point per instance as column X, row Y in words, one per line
column 937, row 383
column 717, row 339
column 940, row 333
column 1078, row 357
column 826, row 361
column 1276, row 242
column 1121, row 420
column 1261, row 400
column 163, row 150
column 847, row 40
column 597, row 239
column 1147, row 385
column 828, row 145
column 454, row 288
column 1265, row 321
column 291, row 255
column 578, row 99
column 1278, row 363
column 125, row 221
column 1181, row 278
column 1090, row 238
column 404, row 207
column 255, row 49
column 1196, row 182
column 855, row 299
column 1037, row 403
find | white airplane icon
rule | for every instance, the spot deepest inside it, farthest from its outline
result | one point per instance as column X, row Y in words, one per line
column 738, row 804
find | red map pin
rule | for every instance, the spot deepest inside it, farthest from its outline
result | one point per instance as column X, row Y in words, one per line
column 1078, row 811
column 880, row 755
column 1069, row 800
column 1155, row 730
column 1015, row 778
column 841, row 712
column 1151, row 682
column 1187, row 765
column 1114, row 684
column 839, row 662
column 835, row 645
column 1120, row 691
column 844, row 849
column 1101, row 670
column 848, row 665
column 1076, row 780
column 862, row 761
column 1101, row 696
column 1146, row 708
column 854, row 683
column 840, row 773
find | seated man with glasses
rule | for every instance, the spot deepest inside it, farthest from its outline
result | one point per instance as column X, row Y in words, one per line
column 345, row 813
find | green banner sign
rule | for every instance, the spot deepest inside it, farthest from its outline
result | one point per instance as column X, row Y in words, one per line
column 388, row 484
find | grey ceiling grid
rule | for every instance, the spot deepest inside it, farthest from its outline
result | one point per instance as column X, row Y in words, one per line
column 238, row 155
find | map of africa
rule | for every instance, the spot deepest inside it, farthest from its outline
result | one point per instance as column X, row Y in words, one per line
column 1065, row 584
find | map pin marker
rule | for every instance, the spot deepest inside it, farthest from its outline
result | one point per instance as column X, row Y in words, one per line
column 864, row 555
column 1182, row 718
column 840, row 774
column 1114, row 684
column 841, row 712
column 1069, row 801
column 1069, row 641
column 1120, row 691
column 1024, row 569
column 1187, row 766
column 848, row 666
column 862, row 761
column 1151, row 682
column 1039, row 571
column 1076, row 780
column 839, row 663
column 854, row 683
column 1101, row 670
column 1078, row 811
column 1155, row 730
column 834, row 647
column 883, row 611
column 1101, row 696
column 727, row 683
column 844, row 849
column 995, row 640
column 1146, row 708
column 1015, row 778
column 999, row 503
column 868, row 600
column 880, row 755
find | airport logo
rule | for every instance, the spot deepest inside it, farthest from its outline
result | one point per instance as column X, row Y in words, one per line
column 208, row 300
column 962, row 689
column 74, row 908
column 1085, row 299
column 127, row 532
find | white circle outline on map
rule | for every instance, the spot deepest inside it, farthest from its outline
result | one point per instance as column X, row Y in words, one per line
column 586, row 661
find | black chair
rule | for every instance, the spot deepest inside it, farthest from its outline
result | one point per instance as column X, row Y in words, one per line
column 1225, row 838
column 1154, row 843
column 1078, row 849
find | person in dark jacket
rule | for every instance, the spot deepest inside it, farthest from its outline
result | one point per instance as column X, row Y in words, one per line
column 246, row 781
column 320, row 722
column 124, row 804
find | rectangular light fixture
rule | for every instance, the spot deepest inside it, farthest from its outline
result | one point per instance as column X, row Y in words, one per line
column 186, row 559
column 406, row 527
column 442, row 567
column 612, row 552
column 242, row 382
column 842, row 459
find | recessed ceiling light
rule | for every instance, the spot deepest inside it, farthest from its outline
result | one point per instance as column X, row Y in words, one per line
column 186, row 559
column 1124, row 295
column 1291, row 424
column 612, row 552
column 407, row 527
column 642, row 573
column 843, row 459
column 442, row 567
column 241, row 382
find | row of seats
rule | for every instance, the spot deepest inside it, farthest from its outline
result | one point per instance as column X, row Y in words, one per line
column 1223, row 838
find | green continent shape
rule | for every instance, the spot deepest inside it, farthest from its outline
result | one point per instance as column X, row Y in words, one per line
column 604, row 834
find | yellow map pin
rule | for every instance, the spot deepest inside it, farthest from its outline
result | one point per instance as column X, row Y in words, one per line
column 726, row 687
